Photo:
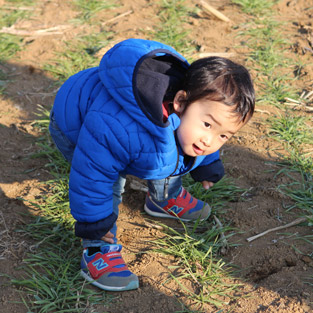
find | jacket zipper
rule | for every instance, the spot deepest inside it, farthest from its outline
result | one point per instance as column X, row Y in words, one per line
column 167, row 179
column 165, row 193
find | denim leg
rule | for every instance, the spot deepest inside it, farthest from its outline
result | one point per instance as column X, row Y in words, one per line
column 157, row 188
column 61, row 141
column 118, row 189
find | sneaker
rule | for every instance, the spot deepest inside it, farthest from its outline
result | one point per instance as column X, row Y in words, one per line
column 184, row 207
column 107, row 270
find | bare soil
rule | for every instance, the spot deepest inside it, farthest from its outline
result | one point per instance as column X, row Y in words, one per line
column 274, row 270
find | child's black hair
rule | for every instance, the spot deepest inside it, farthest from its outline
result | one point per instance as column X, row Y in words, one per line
column 220, row 79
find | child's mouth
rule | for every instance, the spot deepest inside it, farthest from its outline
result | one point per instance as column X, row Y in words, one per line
column 197, row 150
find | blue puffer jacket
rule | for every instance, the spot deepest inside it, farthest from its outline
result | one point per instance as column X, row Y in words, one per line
column 113, row 115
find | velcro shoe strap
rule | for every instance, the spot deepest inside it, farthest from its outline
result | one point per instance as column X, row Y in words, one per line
column 106, row 263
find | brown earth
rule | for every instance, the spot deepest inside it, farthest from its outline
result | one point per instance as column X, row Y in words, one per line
column 275, row 269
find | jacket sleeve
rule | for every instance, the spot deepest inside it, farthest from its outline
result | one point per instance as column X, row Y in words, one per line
column 102, row 152
column 212, row 172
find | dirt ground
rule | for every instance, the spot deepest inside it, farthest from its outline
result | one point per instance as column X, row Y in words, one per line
column 274, row 268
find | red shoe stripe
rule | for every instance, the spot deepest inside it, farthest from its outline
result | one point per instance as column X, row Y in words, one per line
column 106, row 263
column 180, row 205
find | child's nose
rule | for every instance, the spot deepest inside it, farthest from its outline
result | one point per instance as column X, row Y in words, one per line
column 207, row 140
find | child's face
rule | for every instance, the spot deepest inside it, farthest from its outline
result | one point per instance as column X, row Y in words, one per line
column 205, row 125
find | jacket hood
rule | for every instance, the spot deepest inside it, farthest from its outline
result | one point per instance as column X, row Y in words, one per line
column 139, row 73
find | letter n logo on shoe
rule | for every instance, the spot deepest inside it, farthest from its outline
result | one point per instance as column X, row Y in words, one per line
column 100, row 264
column 175, row 209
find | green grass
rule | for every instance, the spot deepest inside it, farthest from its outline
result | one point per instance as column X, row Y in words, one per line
column 89, row 9
column 10, row 44
column 197, row 263
column 256, row 7
column 22, row 2
column 292, row 130
column 222, row 192
column 9, row 17
column 51, row 281
column 78, row 55
column 173, row 14
column 197, row 246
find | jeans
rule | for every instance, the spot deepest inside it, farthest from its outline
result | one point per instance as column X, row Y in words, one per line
column 159, row 190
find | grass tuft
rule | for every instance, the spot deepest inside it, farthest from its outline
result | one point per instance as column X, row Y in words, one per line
column 197, row 262
column 255, row 7
column 78, row 55
column 88, row 9
column 173, row 15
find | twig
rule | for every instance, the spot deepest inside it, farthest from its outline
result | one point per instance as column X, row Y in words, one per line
column 295, row 222
column 216, row 54
column 306, row 107
column 20, row 8
column 292, row 100
column 118, row 17
column 40, row 32
column 261, row 111
column 215, row 12
column 136, row 185
column 150, row 225
column 308, row 95
column 223, row 238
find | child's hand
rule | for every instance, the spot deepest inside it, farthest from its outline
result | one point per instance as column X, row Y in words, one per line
column 207, row 184
column 108, row 237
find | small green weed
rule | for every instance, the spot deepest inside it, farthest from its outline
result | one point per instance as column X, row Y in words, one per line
column 197, row 263
column 8, row 17
column 10, row 44
column 256, row 7
column 23, row 2
column 88, row 9
column 79, row 55
column 196, row 247
column 222, row 192
column 51, row 281
column 171, row 31
column 292, row 130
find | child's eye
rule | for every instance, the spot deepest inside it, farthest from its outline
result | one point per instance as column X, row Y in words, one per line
column 207, row 125
column 224, row 137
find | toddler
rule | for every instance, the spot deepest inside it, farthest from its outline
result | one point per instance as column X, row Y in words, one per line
column 147, row 112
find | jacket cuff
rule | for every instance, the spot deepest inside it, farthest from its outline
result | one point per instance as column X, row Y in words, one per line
column 96, row 230
column 212, row 172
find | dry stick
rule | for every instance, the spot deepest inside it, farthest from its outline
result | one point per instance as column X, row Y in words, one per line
column 118, row 17
column 308, row 94
column 292, row 100
column 20, row 8
column 215, row 12
column 306, row 107
column 136, row 185
column 223, row 238
column 216, row 54
column 295, row 222
column 40, row 32
column 261, row 111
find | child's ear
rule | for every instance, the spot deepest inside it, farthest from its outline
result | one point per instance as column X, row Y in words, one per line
column 179, row 103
